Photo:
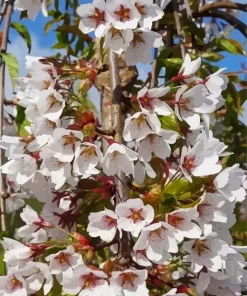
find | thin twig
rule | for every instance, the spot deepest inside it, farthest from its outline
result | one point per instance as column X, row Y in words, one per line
column 117, row 124
column 188, row 10
column 227, row 5
column 3, row 11
column 2, row 82
column 153, row 81
column 178, row 26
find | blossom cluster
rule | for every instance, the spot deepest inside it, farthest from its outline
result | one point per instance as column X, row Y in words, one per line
column 125, row 25
column 177, row 228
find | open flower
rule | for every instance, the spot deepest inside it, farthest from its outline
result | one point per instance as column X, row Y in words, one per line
column 129, row 282
column 149, row 12
column 133, row 216
column 63, row 263
column 122, row 15
column 119, row 158
column 93, row 17
column 148, row 99
column 50, row 104
column 32, row 7
column 182, row 220
column 87, row 156
column 139, row 50
column 87, row 282
column 140, row 125
column 13, row 284
column 103, row 224
column 65, row 143
column 190, row 67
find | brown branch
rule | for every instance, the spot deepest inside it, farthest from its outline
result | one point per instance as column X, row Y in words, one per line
column 104, row 245
column 178, row 25
column 2, row 82
column 122, row 193
column 188, row 9
column 3, row 11
column 226, row 17
column 227, row 5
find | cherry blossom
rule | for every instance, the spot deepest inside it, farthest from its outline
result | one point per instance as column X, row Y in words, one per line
column 14, row 202
column 13, row 284
column 63, row 263
column 118, row 158
column 158, row 239
column 205, row 252
column 129, row 282
column 149, row 12
column 65, row 143
column 148, row 99
column 139, row 50
column 32, row 7
column 86, row 281
column 157, row 144
column 93, row 17
column 86, row 158
column 141, row 168
column 103, row 224
column 229, row 183
column 140, row 125
column 122, row 15
column 189, row 67
column 182, row 220
column 133, row 216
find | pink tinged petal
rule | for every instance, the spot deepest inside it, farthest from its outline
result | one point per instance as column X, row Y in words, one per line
column 161, row 108
column 139, row 173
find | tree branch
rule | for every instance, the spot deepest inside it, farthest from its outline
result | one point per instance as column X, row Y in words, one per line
column 122, row 193
column 178, row 25
column 2, row 82
column 226, row 17
column 227, row 5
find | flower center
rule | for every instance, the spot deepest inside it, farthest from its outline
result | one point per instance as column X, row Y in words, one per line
column 53, row 100
column 90, row 280
column 109, row 221
column 127, row 278
column 141, row 120
column 63, row 258
column 89, row 152
column 189, row 163
column 46, row 84
column 136, row 215
column 184, row 104
column 51, row 124
column 70, row 139
column 123, row 13
column 138, row 39
column 98, row 16
column 175, row 220
column 141, row 8
column 157, row 233
column 200, row 247
column 15, row 283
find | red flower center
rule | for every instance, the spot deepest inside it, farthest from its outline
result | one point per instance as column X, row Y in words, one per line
column 123, row 13
column 98, row 16
column 15, row 283
column 175, row 220
column 189, row 163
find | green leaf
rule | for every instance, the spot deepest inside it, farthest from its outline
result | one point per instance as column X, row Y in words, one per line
column 212, row 56
column 23, row 31
column 238, row 46
column 60, row 45
column 169, row 200
column 21, row 121
column 174, row 62
column 12, row 64
column 227, row 45
column 169, row 122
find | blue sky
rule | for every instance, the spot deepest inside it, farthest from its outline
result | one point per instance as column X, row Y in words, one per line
column 42, row 44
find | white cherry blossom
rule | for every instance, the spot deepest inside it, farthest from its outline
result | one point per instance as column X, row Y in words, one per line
column 139, row 50
column 12, row 145
column 230, row 182
column 139, row 125
column 32, row 7
column 190, row 67
column 122, row 15
column 65, row 143
column 157, row 144
column 14, row 202
column 117, row 40
column 63, row 263
column 118, row 158
column 129, row 282
column 149, row 12
column 87, row 282
column 103, row 224
column 93, row 17
column 141, row 168
column 50, row 104
column 205, row 252
column 158, row 239
column 13, row 284
column 133, row 216
column 199, row 162
column 182, row 220
column 87, row 156
column 148, row 99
